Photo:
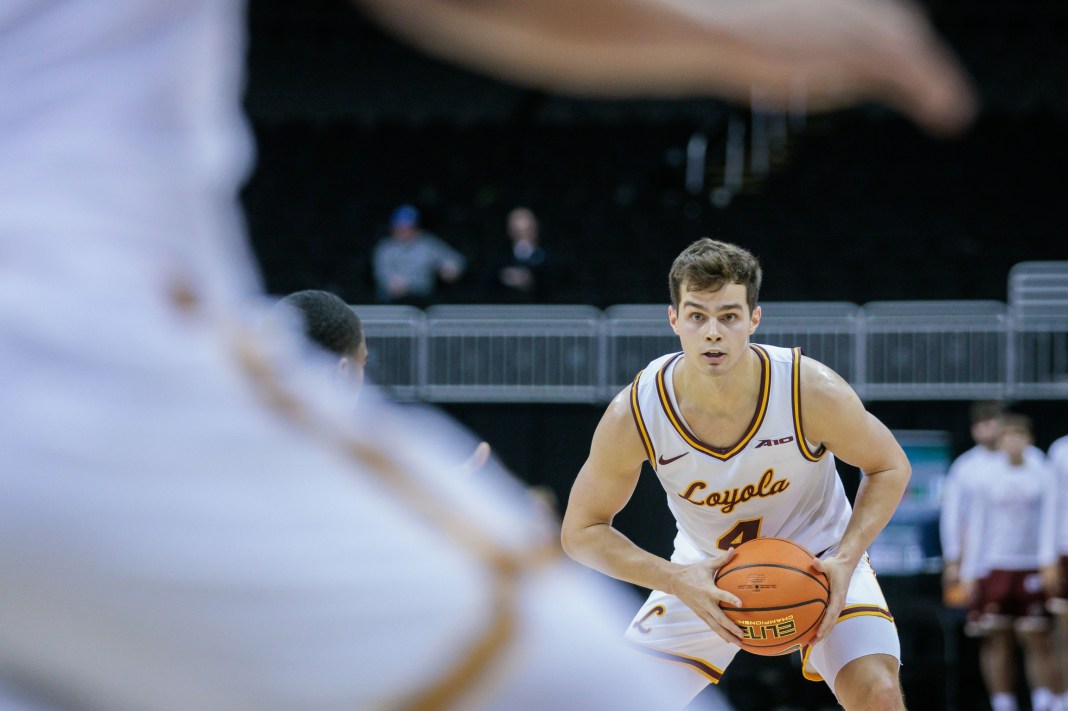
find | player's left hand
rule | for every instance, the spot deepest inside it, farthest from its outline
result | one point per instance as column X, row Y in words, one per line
column 839, row 571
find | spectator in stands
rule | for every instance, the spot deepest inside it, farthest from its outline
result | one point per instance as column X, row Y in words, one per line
column 409, row 263
column 1010, row 569
column 525, row 274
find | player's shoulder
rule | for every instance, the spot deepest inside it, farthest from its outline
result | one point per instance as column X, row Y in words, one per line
column 971, row 454
column 821, row 383
column 617, row 434
column 619, row 414
column 1058, row 451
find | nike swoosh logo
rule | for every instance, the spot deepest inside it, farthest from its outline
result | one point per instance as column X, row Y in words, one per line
column 669, row 461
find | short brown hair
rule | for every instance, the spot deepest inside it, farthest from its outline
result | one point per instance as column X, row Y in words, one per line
column 708, row 265
column 1018, row 423
column 983, row 410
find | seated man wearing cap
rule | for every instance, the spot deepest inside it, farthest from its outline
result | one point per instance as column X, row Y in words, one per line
column 409, row 262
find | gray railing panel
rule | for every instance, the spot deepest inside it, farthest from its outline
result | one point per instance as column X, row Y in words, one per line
column 634, row 335
column 915, row 350
column 824, row 330
column 1039, row 289
column 396, row 336
column 514, row 354
column 637, row 333
column 934, row 349
column 1038, row 308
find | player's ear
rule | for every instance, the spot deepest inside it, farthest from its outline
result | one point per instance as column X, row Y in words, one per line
column 754, row 320
column 673, row 318
column 344, row 366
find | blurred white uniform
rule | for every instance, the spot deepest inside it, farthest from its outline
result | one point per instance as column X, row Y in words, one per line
column 1013, row 523
column 168, row 538
column 1058, row 460
column 960, row 500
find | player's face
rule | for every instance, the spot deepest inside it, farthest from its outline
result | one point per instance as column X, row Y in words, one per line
column 1014, row 441
column 714, row 326
column 987, row 432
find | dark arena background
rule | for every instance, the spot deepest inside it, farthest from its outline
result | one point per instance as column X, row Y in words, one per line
column 855, row 208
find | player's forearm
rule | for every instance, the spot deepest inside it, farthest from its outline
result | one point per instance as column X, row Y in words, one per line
column 605, row 549
column 833, row 52
column 877, row 499
column 597, row 47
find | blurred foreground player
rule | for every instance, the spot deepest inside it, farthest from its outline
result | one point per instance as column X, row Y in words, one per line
column 188, row 519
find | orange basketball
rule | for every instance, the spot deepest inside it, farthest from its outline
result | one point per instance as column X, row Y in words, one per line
column 783, row 595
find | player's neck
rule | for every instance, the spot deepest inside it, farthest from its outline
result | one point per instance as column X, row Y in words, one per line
column 725, row 393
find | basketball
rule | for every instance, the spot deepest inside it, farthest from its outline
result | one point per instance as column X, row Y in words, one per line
column 783, row 595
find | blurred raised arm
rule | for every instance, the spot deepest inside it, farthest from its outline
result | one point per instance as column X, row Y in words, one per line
column 821, row 54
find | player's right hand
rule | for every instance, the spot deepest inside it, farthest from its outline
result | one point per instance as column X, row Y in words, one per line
column 695, row 586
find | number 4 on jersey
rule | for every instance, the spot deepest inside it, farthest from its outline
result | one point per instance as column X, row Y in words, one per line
column 743, row 531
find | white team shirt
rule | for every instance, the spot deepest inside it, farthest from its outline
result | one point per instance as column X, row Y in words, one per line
column 1014, row 519
column 773, row 482
column 957, row 495
column 1058, row 460
column 963, row 482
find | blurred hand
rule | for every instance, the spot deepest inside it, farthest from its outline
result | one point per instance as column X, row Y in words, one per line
column 834, row 53
column 517, row 278
column 477, row 460
column 397, row 286
column 450, row 272
column 799, row 54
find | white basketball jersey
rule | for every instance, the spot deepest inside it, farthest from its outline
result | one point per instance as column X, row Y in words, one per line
column 1058, row 459
column 772, row 482
column 1014, row 511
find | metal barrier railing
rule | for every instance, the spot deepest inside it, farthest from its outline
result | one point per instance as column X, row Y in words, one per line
column 1038, row 344
column 888, row 350
column 916, row 350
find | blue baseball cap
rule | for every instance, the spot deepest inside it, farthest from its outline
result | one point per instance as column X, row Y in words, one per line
column 405, row 215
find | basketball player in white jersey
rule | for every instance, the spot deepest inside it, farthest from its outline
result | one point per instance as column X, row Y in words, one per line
column 188, row 519
column 1010, row 567
column 743, row 438
column 963, row 484
column 985, row 418
column 1057, row 456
